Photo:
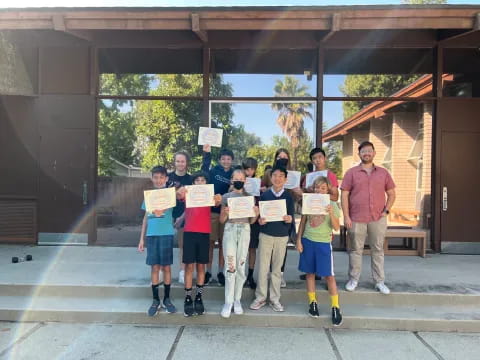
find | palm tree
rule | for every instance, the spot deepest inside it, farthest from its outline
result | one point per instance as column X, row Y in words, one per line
column 291, row 115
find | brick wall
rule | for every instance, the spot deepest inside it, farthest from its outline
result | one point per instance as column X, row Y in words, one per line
column 378, row 129
column 347, row 149
column 427, row 166
column 404, row 131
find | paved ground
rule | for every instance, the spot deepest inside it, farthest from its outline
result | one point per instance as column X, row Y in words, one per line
column 29, row 341
column 87, row 265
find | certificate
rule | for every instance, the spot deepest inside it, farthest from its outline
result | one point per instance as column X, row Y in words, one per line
column 210, row 136
column 252, row 186
column 199, row 195
column 315, row 204
column 313, row 175
column 159, row 199
column 293, row 179
column 273, row 210
column 241, row 207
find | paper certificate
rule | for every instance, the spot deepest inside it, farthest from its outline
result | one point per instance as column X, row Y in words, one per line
column 210, row 136
column 293, row 179
column 252, row 186
column 313, row 175
column 159, row 199
column 241, row 207
column 199, row 195
column 315, row 204
column 273, row 210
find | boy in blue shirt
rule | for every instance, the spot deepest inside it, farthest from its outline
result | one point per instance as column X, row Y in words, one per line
column 219, row 176
column 157, row 235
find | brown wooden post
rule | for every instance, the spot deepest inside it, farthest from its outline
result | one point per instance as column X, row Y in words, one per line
column 319, row 117
column 436, row 191
column 206, row 85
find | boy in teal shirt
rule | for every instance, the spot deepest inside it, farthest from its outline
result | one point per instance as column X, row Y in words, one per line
column 157, row 235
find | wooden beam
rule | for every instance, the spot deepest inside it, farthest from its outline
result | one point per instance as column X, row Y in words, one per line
column 336, row 26
column 202, row 35
column 59, row 24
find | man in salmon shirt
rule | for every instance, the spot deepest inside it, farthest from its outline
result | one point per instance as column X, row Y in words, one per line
column 365, row 211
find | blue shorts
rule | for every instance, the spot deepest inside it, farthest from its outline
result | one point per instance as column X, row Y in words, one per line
column 160, row 250
column 316, row 258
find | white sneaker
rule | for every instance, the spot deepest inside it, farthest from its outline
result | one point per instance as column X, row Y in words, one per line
column 237, row 308
column 382, row 288
column 351, row 285
column 276, row 306
column 181, row 277
column 226, row 311
column 160, row 277
column 283, row 283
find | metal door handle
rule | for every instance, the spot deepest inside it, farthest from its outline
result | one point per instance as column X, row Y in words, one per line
column 444, row 199
column 85, row 193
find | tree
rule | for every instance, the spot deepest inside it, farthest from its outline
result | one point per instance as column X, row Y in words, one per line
column 116, row 124
column 370, row 85
column 164, row 127
column 240, row 141
column 291, row 116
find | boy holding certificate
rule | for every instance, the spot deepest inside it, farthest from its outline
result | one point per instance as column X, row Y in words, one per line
column 314, row 243
column 157, row 235
column 238, row 212
column 273, row 239
column 196, row 244
column 220, row 176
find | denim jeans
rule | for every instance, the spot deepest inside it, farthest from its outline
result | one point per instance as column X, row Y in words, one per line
column 236, row 238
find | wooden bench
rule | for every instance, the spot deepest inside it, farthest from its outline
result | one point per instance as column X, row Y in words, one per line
column 408, row 236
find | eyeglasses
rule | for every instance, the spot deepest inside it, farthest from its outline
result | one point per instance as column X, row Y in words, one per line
column 369, row 151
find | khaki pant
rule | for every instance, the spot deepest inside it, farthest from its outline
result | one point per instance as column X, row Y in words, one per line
column 271, row 250
column 375, row 231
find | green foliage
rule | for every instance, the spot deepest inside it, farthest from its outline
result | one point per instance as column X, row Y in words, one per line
column 240, row 141
column 291, row 116
column 116, row 125
column 164, row 127
column 371, row 85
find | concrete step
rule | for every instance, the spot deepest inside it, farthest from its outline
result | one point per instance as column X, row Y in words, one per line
column 216, row 293
column 361, row 310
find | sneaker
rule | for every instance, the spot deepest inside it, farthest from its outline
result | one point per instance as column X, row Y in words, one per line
column 351, row 285
column 276, row 306
column 382, row 288
column 313, row 309
column 168, row 306
column 251, row 283
column 153, row 309
column 336, row 317
column 181, row 277
column 283, row 283
column 221, row 279
column 188, row 306
column 237, row 308
column 226, row 311
column 208, row 277
column 257, row 304
column 199, row 308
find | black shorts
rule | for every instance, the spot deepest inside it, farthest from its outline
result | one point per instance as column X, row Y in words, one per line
column 195, row 247
column 254, row 235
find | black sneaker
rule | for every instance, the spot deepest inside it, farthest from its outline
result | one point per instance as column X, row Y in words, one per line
column 188, row 306
column 313, row 309
column 336, row 317
column 221, row 279
column 251, row 283
column 208, row 277
column 153, row 309
column 199, row 308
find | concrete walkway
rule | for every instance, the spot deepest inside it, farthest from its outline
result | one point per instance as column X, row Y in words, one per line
column 115, row 266
column 38, row 341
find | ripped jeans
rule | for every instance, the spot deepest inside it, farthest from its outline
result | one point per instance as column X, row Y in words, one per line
column 236, row 239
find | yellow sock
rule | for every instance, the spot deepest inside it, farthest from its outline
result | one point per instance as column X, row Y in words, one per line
column 334, row 299
column 311, row 297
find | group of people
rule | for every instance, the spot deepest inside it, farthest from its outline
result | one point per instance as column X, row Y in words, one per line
column 367, row 195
